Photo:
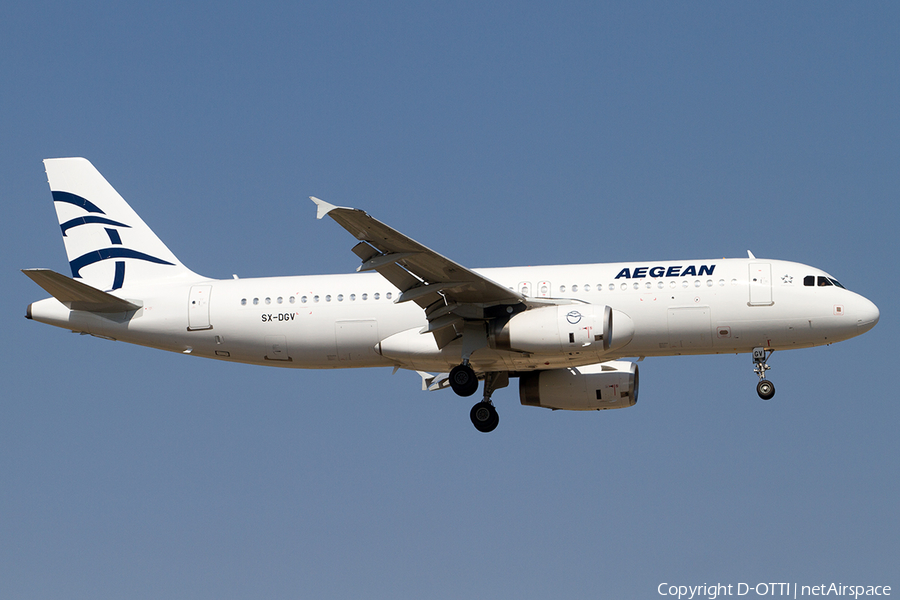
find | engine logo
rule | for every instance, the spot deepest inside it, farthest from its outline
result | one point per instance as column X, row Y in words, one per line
column 574, row 317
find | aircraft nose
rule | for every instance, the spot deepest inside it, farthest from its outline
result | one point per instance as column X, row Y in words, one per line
column 867, row 315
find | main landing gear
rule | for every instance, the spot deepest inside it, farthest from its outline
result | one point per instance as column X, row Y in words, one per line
column 765, row 388
column 484, row 417
column 463, row 380
column 465, row 383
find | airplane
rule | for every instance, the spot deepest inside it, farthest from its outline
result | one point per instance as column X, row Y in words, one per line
column 563, row 331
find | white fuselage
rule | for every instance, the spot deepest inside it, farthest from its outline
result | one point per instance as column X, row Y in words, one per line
column 339, row 321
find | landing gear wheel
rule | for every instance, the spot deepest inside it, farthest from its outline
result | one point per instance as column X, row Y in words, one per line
column 463, row 380
column 484, row 417
column 765, row 389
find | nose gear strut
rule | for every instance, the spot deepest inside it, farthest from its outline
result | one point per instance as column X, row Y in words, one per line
column 765, row 388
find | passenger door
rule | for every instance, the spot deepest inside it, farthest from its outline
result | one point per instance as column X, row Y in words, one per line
column 760, row 284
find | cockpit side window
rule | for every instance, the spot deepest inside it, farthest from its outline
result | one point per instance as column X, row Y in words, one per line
column 820, row 281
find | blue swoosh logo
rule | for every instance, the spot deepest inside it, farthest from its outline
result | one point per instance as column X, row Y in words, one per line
column 106, row 253
column 69, row 198
column 87, row 220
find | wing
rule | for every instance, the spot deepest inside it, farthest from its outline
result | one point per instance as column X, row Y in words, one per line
column 449, row 293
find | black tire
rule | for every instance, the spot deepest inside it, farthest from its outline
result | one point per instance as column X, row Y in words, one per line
column 463, row 380
column 484, row 417
column 765, row 389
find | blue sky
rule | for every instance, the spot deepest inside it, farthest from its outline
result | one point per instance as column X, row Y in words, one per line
column 506, row 134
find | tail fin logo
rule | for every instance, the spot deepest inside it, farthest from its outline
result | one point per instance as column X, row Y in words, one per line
column 77, row 201
column 116, row 250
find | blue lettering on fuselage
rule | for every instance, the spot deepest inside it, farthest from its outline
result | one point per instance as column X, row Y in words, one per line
column 674, row 271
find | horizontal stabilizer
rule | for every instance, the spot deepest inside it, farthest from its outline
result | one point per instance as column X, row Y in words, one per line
column 76, row 295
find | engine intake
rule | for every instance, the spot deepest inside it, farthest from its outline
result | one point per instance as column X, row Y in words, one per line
column 612, row 384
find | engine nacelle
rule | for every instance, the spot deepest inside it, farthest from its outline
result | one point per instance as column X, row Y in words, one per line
column 562, row 328
column 410, row 347
column 612, row 384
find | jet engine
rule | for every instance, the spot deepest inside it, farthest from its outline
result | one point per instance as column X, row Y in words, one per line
column 562, row 328
column 612, row 384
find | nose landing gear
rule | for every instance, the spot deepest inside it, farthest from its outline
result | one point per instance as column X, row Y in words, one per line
column 765, row 388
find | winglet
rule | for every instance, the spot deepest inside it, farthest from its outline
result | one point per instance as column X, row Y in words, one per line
column 324, row 207
column 749, row 254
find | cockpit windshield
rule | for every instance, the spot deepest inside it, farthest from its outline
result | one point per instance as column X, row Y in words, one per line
column 820, row 281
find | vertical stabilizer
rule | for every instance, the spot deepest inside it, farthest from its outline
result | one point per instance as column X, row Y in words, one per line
column 108, row 245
